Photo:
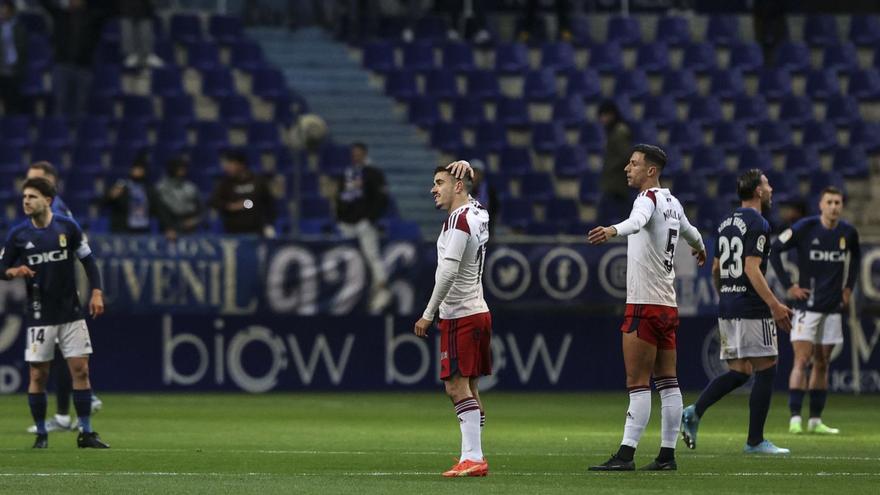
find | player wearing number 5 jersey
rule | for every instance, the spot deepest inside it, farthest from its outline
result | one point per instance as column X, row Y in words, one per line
column 651, row 318
column 748, row 314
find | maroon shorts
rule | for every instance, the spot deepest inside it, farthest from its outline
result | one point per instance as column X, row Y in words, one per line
column 652, row 323
column 465, row 346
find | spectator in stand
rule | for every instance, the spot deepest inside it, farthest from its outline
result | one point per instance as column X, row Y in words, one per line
column 618, row 144
column 529, row 22
column 243, row 199
column 136, row 23
column 178, row 200
column 132, row 202
column 771, row 28
column 76, row 29
column 13, row 58
column 360, row 203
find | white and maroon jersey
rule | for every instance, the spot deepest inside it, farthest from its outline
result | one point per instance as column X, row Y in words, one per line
column 653, row 228
column 463, row 239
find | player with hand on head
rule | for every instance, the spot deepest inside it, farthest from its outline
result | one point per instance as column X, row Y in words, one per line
column 650, row 321
column 465, row 322
column 825, row 246
column 748, row 314
column 42, row 250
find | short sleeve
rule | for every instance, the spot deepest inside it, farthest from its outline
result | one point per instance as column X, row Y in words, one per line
column 756, row 240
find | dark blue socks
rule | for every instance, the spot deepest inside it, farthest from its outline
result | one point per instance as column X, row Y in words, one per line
column 718, row 388
column 38, row 403
column 817, row 402
column 759, row 404
column 795, row 401
column 82, row 402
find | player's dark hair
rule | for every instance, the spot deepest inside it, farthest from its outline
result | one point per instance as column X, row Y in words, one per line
column 362, row 146
column 235, row 155
column 747, row 183
column 468, row 181
column 40, row 184
column 832, row 190
column 175, row 163
column 653, row 154
column 46, row 167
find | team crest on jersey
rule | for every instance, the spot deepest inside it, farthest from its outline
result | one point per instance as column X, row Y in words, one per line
column 842, row 243
column 62, row 240
column 761, row 241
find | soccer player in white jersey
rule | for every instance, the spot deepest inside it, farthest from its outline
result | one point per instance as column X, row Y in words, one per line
column 465, row 322
column 651, row 318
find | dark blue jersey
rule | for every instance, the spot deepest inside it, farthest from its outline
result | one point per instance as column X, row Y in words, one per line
column 60, row 207
column 827, row 259
column 744, row 233
column 51, row 253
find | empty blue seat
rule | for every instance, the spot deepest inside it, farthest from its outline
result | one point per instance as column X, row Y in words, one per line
column 589, row 191
column 546, row 228
column 226, row 29
column 11, row 162
column 705, row 109
column 785, row 186
column 680, row 83
column 441, row 84
column 864, row 84
column 546, row 137
column 132, row 133
column 138, row 107
column 750, row 109
column 539, row 186
column 707, row 159
column 431, row 28
column 751, row 157
column 821, row 30
column 122, row 156
column 235, row 110
column 203, row 56
column 820, row 134
column 246, row 55
column 660, row 109
column 840, row 57
column 606, row 57
column 722, row 30
column 512, row 112
column 822, row 84
column 492, row 136
column 179, row 108
column 516, row 212
column 458, row 57
column 186, row 28
column 15, row 130
column 774, row 135
column 401, row 84
column 483, row 84
column 217, row 83
column 793, row 56
column 314, row 207
column 592, row 137
column 685, row 135
column 446, row 136
column 653, row 57
column 51, row 154
column 166, row 81
column 511, row 58
column 865, row 135
column 418, row 56
column 334, row 159
column 557, row 56
column 107, row 82
column 730, row 135
column 580, row 31
column 263, row 135
column 583, row 82
column 87, row 157
column 378, row 56
column 172, row 132
column 726, row 83
column 515, row 161
column 424, row 112
column 403, row 230
column 842, row 109
column 39, row 52
column 689, row 187
column 468, row 111
column 747, row 57
column 796, row 110
column 540, row 85
column 212, row 134
column 644, row 131
column 802, row 160
column 93, row 131
column 562, row 210
column 269, row 83
column 570, row 110
column 52, row 131
column 673, row 30
column 699, row 57
column 774, row 83
column 864, row 29
column 710, row 212
column 570, row 161
column 624, row 30
column 633, row 83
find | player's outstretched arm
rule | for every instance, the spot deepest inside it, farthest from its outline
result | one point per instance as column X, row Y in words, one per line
column 781, row 313
column 692, row 236
column 600, row 235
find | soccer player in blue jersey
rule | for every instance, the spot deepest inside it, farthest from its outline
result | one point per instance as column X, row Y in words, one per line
column 748, row 314
column 42, row 250
column 63, row 382
column 825, row 246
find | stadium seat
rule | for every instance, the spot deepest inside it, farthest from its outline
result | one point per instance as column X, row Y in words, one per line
column 785, row 186
column 730, row 135
column 653, row 57
column 132, row 133
column 864, row 84
column 793, row 56
column 820, row 134
column 796, row 110
column 93, row 131
column 212, row 134
column 633, row 83
column 722, row 30
column 86, row 157
column 540, row 85
column 458, row 57
column 660, row 109
column 680, row 84
column 821, row 179
column 515, row 161
column 269, row 83
column 726, row 182
column 774, row 83
column 705, row 109
column 583, row 82
column 746, row 57
column 822, row 84
column 403, row 230
column 203, row 56
column 314, row 208
column 217, row 83
column 673, row 30
column 205, row 159
column 536, row 228
column 39, row 53
column 802, row 160
column 751, row 157
column 606, row 57
column 246, row 55
column 226, row 29
column 570, row 161
column 15, row 130
column 644, row 131
column 750, row 110
column 774, row 135
column 562, row 210
column 446, row 136
column 122, row 156
column 589, row 191
column 468, row 111
column 547, row 137
column 689, row 187
column 178, row 108
column 558, row 57
column 492, row 136
column 418, row 56
column 107, row 82
column 51, row 154
column 401, row 84
column 685, row 135
column 624, row 30
column 186, row 28
column 441, row 84
column 235, row 110
column 840, row 57
column 864, row 29
column 138, row 107
column 726, row 83
column 424, row 112
column 516, row 212
column 842, row 110
column 699, row 57
column 483, row 84
column 172, row 132
column 821, row 30
column 11, row 160
column 538, row 186
column 52, row 131
column 166, row 81
column 570, row 110
column 580, row 31
column 865, row 135
column 707, row 159
column 511, row 58
column 378, row 56
column 34, row 22
column 512, row 112
column 592, row 137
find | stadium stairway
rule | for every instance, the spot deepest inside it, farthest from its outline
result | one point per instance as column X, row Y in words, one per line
column 338, row 89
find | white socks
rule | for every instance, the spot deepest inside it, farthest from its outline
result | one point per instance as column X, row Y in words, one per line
column 670, row 408
column 637, row 415
column 468, row 412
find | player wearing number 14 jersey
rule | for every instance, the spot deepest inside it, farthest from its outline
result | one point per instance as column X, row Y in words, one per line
column 748, row 314
column 651, row 319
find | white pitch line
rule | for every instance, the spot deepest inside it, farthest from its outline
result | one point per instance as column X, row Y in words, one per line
column 419, row 473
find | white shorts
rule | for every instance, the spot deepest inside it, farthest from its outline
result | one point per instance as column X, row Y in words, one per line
column 72, row 339
column 745, row 338
column 818, row 328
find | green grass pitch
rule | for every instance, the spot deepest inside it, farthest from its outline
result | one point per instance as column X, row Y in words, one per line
column 399, row 443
